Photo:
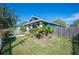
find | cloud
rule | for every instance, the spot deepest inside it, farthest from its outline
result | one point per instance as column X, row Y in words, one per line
column 74, row 17
column 71, row 18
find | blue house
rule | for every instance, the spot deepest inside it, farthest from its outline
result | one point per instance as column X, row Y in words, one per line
column 34, row 22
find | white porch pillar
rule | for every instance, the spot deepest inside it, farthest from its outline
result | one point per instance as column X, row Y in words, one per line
column 27, row 28
column 31, row 26
column 40, row 24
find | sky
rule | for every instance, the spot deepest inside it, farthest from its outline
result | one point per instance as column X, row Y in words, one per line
column 49, row 11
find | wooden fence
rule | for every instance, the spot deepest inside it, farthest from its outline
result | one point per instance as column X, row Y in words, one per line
column 69, row 32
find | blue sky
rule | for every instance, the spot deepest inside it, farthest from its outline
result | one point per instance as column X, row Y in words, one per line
column 50, row 12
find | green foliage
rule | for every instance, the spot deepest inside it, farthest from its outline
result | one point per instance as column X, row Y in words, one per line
column 40, row 31
column 76, row 22
column 33, row 31
column 39, row 34
column 7, row 17
column 36, row 32
column 23, row 28
column 48, row 29
column 51, row 29
column 8, row 20
column 60, row 22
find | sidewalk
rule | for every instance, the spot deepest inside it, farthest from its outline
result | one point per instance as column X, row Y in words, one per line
column 20, row 35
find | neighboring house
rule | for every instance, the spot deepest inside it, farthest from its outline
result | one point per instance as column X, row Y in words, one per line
column 34, row 22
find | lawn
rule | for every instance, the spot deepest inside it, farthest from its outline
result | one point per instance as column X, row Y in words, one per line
column 29, row 46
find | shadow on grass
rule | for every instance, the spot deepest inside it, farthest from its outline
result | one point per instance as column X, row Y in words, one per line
column 6, row 43
column 7, row 49
column 75, row 45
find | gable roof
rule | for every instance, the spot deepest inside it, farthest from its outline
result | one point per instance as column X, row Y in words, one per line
column 35, row 19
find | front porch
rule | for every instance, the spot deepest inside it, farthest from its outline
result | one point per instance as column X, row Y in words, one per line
column 35, row 25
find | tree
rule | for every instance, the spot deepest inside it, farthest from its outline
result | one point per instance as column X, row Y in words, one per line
column 8, row 20
column 23, row 28
column 60, row 22
column 76, row 22
column 7, row 16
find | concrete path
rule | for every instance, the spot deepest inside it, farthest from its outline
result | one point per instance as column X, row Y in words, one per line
column 20, row 35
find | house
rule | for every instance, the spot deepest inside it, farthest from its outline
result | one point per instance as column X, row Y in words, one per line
column 34, row 22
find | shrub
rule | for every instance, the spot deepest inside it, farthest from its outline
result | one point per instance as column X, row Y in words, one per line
column 48, row 29
column 40, row 31
column 34, row 30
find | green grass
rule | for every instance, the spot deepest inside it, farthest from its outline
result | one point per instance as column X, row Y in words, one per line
column 30, row 46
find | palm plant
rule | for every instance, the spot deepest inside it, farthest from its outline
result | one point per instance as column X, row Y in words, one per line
column 48, row 29
column 41, row 31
